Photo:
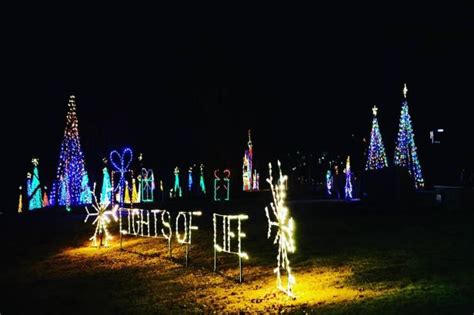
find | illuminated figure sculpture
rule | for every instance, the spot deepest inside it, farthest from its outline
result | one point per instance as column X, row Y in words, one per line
column 348, row 186
column 101, row 235
column 177, row 192
column 247, row 166
column 71, row 166
column 376, row 158
column 255, row 180
column 285, row 228
column 406, row 154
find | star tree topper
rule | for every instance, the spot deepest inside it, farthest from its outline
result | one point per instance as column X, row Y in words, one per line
column 285, row 228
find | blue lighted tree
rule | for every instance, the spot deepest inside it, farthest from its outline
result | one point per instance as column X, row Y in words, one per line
column 71, row 167
column 106, row 192
column 86, row 194
column 376, row 157
column 405, row 151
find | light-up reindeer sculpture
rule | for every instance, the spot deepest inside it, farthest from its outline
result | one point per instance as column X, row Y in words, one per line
column 285, row 225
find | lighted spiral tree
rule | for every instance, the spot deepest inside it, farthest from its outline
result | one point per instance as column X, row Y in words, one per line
column 285, row 225
column 376, row 157
column 71, row 161
column 34, row 191
column 405, row 151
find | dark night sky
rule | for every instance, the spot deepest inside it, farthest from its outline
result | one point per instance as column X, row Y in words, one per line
column 183, row 87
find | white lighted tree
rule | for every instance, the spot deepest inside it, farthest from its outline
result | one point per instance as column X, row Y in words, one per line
column 285, row 229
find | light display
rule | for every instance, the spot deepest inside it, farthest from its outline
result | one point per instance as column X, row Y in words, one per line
column 126, row 199
column 255, row 180
column 71, row 161
column 147, row 184
column 222, row 186
column 348, row 186
column 103, row 216
column 121, row 163
column 376, row 158
column 227, row 234
column 202, row 184
column 406, row 154
column 190, row 178
column 34, row 194
column 45, row 198
column 247, row 166
column 138, row 219
column 329, row 182
column 135, row 193
column 185, row 238
column 285, row 225
column 20, row 201
column 106, row 192
column 177, row 192
column 86, row 194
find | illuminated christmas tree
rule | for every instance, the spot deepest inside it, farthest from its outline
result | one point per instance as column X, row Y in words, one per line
column 376, row 158
column 126, row 198
column 86, row 194
column 71, row 160
column 106, row 192
column 202, row 184
column 35, row 194
column 135, row 193
column 405, row 151
column 190, row 178
column 348, row 186
column 45, row 198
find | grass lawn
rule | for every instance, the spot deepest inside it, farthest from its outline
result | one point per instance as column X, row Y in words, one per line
column 350, row 259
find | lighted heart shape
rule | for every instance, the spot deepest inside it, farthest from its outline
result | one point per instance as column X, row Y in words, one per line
column 121, row 162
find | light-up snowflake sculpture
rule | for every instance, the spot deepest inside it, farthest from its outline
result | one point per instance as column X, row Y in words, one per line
column 285, row 224
column 103, row 216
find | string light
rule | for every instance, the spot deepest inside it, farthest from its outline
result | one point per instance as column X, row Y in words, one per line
column 329, row 182
column 186, row 239
column 202, row 184
column 35, row 195
column 177, row 192
column 106, row 192
column 223, row 183
column 190, row 178
column 103, row 218
column 348, row 186
column 45, row 198
column 71, row 166
column 285, row 225
column 20, row 201
column 227, row 234
column 121, row 162
column 376, row 158
column 247, row 165
column 405, row 151
column 147, row 184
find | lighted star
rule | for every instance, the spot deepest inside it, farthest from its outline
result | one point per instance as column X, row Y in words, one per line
column 374, row 110
column 405, row 90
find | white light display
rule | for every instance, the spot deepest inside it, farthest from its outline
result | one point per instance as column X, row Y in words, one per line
column 103, row 219
column 141, row 223
column 285, row 225
column 185, row 238
column 227, row 234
